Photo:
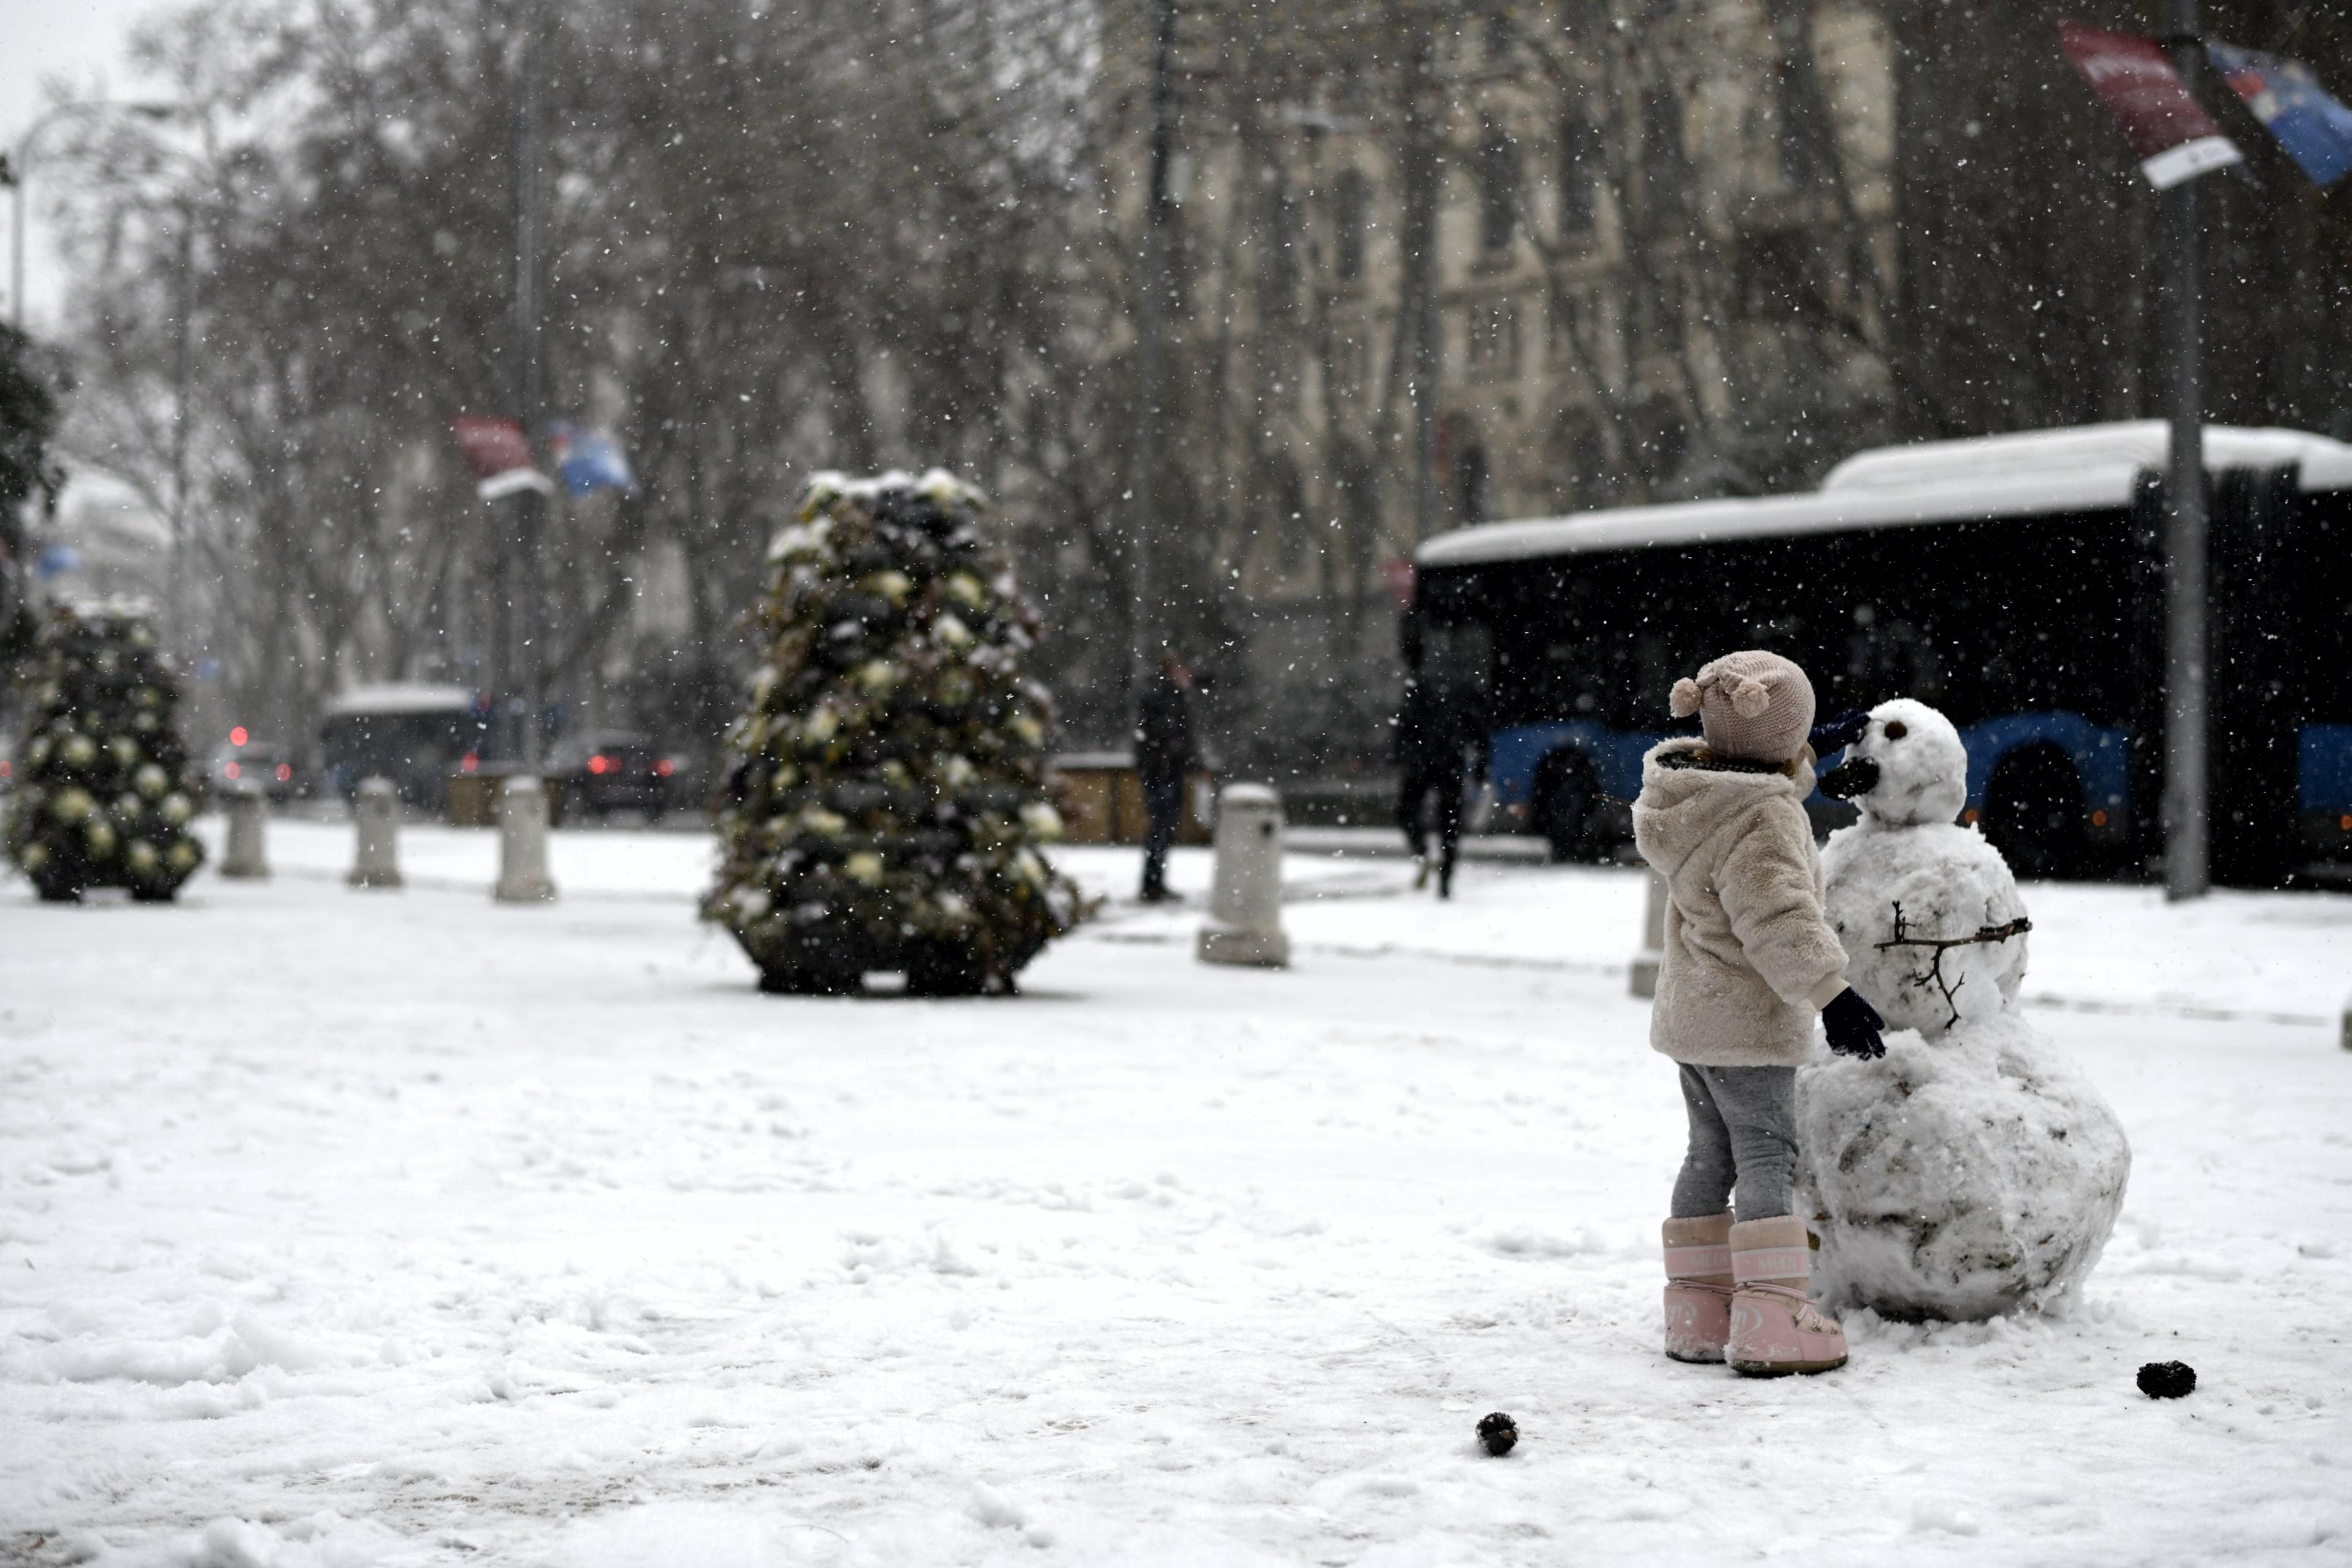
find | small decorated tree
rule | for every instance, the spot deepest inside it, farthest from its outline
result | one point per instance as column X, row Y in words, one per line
column 887, row 791
column 104, row 793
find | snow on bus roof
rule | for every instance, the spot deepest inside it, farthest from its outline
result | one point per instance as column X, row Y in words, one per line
column 2144, row 444
column 2086, row 468
column 401, row 697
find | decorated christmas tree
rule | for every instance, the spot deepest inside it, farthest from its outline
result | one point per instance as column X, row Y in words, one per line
column 887, row 789
column 103, row 793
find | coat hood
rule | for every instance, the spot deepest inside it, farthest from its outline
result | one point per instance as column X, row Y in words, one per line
column 1688, row 796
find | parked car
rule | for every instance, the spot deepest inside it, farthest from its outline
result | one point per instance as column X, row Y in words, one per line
column 613, row 771
column 257, row 763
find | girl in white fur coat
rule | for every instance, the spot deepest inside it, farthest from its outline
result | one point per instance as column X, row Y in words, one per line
column 1748, row 960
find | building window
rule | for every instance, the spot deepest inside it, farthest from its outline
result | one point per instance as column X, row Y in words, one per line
column 1290, row 527
column 1498, row 191
column 1664, row 169
column 1563, row 319
column 1658, row 314
column 1474, row 480
column 1661, row 438
column 1582, row 480
column 1498, row 32
column 1799, row 139
column 1492, row 352
column 1585, row 331
column 1351, row 364
column 1278, row 271
column 1779, row 278
column 1351, row 210
column 1580, row 173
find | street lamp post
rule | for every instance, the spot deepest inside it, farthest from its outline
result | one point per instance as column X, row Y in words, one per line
column 1150, row 324
column 529, row 582
column 1425, row 189
column 2186, row 839
column 523, row 814
column 20, row 167
column 176, row 590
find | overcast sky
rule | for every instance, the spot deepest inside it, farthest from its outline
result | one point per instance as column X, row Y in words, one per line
column 77, row 43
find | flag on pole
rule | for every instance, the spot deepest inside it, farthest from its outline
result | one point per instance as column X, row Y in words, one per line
column 589, row 460
column 2175, row 138
column 498, row 453
column 2314, row 129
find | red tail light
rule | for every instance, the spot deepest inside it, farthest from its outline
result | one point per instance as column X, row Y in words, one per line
column 285, row 771
column 469, row 763
column 232, row 770
column 665, row 767
column 599, row 764
column 237, row 736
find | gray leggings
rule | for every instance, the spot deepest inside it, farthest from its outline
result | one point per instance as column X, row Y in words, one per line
column 1743, row 1124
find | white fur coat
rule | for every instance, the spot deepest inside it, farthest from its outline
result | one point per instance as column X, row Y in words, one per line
column 1750, row 958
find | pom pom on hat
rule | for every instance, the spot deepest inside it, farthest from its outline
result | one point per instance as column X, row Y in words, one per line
column 1684, row 698
column 1749, row 697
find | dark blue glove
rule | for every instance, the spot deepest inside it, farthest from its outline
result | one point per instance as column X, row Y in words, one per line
column 1838, row 731
column 1853, row 1025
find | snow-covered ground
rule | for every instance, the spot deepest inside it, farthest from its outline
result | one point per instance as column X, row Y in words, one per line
column 342, row 1227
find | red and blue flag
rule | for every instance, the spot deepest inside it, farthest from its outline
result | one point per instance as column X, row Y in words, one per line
column 2314, row 128
column 589, row 460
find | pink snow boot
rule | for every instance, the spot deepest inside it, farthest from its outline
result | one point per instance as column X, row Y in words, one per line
column 1774, row 1329
column 1699, row 1287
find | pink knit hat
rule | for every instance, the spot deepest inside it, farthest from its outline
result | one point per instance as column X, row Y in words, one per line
column 1754, row 705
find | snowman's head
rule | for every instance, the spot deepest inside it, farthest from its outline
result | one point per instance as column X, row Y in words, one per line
column 1910, row 763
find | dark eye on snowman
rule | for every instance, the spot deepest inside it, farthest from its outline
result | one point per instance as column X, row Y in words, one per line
column 1896, row 729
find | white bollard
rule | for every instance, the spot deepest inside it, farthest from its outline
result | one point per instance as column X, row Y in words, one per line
column 522, row 843
column 377, row 863
column 248, row 815
column 1245, row 924
column 1653, row 937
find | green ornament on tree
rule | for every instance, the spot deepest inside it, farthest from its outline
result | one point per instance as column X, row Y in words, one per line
column 106, row 792
column 885, row 799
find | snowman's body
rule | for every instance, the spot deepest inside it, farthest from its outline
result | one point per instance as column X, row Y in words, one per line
column 1947, row 882
column 1973, row 1170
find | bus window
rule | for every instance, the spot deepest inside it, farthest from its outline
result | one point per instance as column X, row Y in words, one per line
column 415, row 736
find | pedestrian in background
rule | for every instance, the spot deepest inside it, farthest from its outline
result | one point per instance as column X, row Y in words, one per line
column 1440, row 743
column 1164, row 756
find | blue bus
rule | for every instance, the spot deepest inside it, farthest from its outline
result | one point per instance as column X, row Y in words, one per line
column 2014, row 581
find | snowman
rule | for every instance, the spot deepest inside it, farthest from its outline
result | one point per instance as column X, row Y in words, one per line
column 1973, row 1170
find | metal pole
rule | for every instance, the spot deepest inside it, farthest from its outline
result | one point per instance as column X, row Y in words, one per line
column 2187, row 870
column 527, row 583
column 177, row 589
column 17, row 224
column 20, row 169
column 1150, row 324
column 1427, row 344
